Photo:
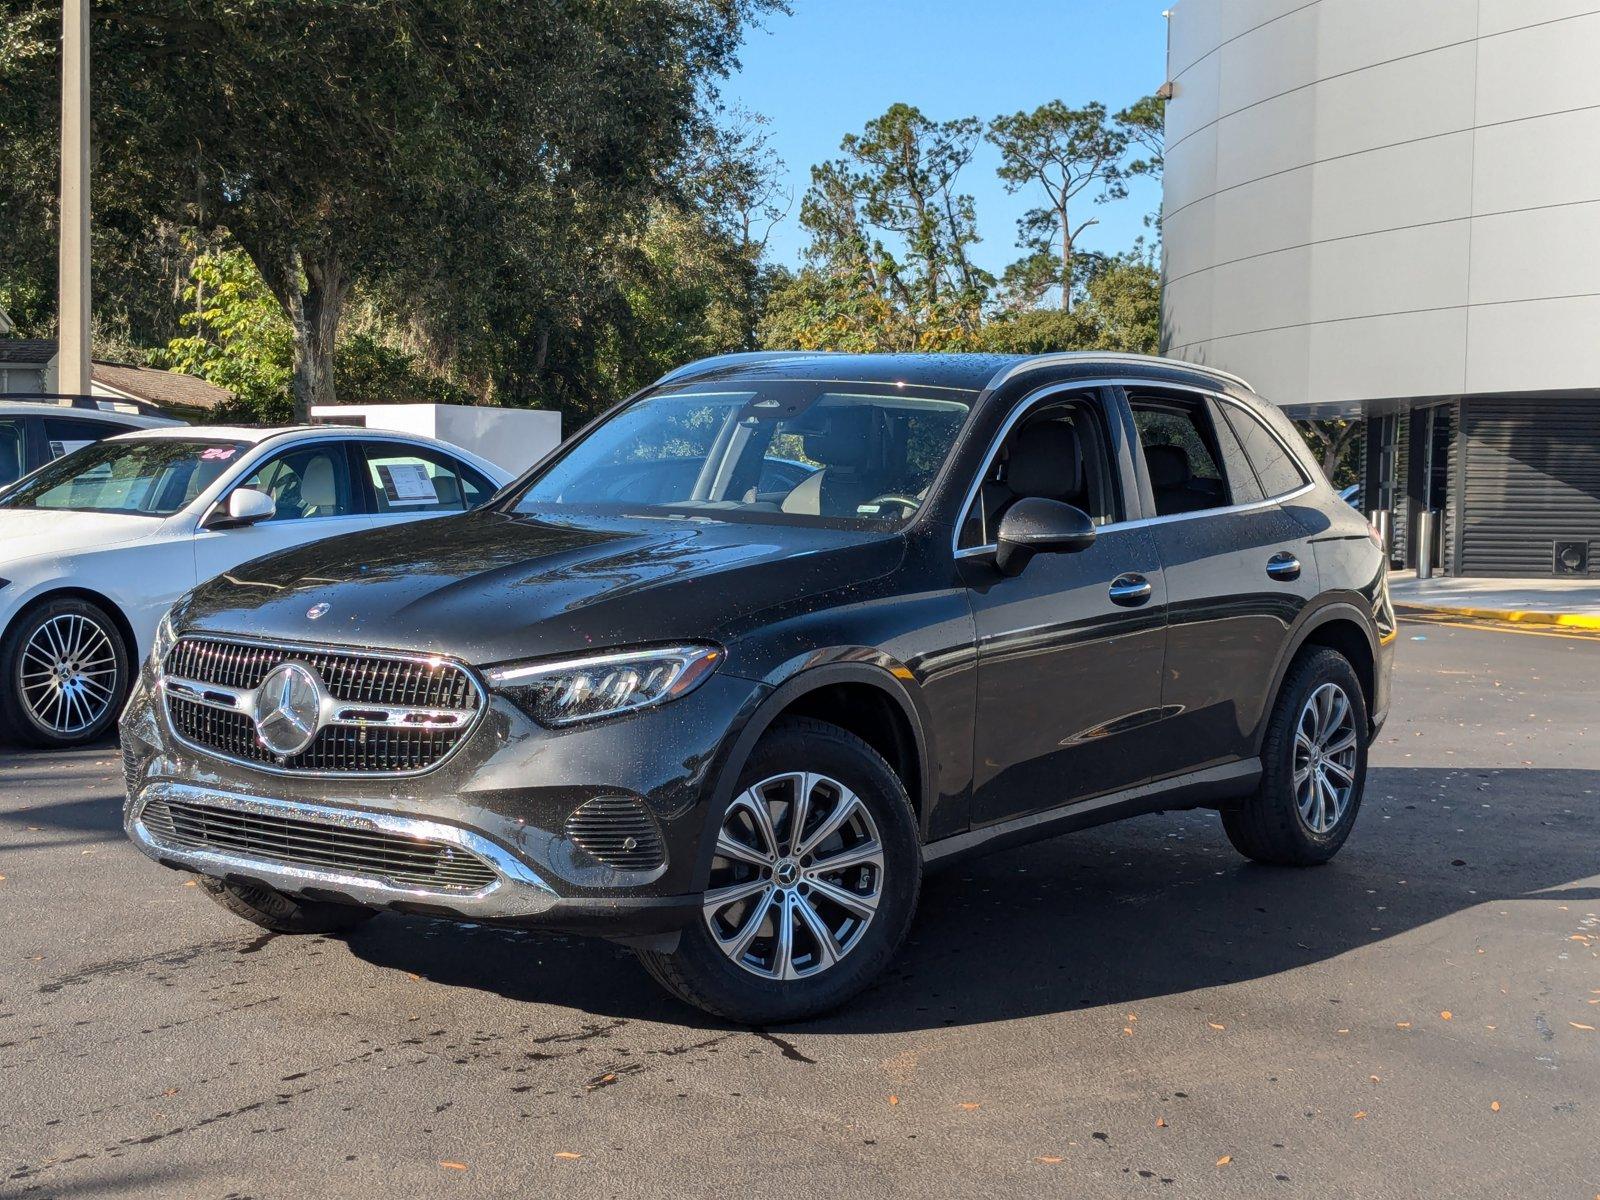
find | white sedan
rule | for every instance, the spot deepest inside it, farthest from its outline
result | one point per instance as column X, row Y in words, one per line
column 97, row 545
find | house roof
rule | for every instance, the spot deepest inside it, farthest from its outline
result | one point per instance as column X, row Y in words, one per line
column 27, row 352
column 166, row 389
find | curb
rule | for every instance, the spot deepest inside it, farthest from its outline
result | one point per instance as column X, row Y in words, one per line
column 1505, row 615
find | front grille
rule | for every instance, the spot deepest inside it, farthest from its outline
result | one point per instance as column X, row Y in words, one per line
column 349, row 675
column 413, row 862
column 352, row 677
column 617, row 831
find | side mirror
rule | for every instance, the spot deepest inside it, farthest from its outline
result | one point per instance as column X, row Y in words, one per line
column 246, row 506
column 1034, row 525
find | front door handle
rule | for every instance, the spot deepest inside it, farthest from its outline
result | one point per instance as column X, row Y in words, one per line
column 1130, row 590
column 1284, row 566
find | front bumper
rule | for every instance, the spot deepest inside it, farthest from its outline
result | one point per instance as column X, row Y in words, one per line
column 502, row 801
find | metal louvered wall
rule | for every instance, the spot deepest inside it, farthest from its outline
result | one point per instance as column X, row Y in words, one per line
column 1528, row 470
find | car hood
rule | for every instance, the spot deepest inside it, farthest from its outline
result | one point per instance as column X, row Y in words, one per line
column 489, row 587
column 52, row 533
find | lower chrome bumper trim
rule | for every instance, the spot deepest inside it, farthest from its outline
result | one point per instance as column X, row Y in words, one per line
column 516, row 892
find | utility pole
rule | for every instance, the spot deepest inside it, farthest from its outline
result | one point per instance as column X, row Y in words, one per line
column 72, row 364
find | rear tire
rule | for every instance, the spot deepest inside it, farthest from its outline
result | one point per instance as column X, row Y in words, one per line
column 821, row 914
column 64, row 675
column 1314, row 767
column 284, row 914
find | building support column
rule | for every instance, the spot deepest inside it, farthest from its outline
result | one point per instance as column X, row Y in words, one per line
column 73, row 309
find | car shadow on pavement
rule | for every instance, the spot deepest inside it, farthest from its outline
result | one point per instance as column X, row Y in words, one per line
column 1157, row 906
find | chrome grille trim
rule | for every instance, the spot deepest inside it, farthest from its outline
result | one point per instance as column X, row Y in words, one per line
column 387, row 849
column 387, row 713
column 414, row 862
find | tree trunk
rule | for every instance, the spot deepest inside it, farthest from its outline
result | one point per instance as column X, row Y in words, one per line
column 1066, row 261
column 314, row 312
column 312, row 289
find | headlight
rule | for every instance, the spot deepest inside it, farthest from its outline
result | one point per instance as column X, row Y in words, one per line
column 602, row 685
column 165, row 637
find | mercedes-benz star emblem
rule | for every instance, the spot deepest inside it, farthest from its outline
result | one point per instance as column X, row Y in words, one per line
column 288, row 709
column 316, row 610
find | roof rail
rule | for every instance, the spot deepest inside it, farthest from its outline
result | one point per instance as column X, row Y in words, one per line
column 114, row 404
column 702, row 365
column 1119, row 356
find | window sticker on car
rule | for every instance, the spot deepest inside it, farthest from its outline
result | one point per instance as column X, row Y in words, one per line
column 407, row 483
column 218, row 453
column 62, row 448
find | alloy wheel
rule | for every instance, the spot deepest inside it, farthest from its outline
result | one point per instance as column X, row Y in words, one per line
column 796, row 876
column 69, row 673
column 1325, row 749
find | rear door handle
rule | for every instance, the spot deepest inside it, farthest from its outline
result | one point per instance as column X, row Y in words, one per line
column 1284, row 566
column 1130, row 590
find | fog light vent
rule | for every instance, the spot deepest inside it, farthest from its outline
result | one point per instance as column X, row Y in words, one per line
column 619, row 832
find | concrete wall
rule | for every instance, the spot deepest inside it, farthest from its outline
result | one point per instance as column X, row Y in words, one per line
column 1375, row 199
column 513, row 438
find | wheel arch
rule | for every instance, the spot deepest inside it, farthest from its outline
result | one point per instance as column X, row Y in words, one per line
column 91, row 596
column 1340, row 625
column 864, row 699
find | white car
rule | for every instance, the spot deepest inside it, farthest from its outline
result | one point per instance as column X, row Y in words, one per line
column 96, row 546
column 35, row 430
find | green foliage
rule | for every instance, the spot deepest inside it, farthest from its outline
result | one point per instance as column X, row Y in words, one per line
column 234, row 335
column 1121, row 310
column 483, row 168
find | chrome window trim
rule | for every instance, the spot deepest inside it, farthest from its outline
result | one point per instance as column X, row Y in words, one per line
column 1033, row 399
column 294, row 647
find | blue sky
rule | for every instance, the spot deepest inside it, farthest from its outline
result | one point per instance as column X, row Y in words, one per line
column 835, row 64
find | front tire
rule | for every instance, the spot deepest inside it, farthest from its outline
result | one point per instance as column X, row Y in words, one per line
column 813, row 884
column 64, row 673
column 1314, row 761
column 274, row 911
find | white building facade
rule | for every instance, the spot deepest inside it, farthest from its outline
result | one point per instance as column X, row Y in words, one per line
column 1391, row 209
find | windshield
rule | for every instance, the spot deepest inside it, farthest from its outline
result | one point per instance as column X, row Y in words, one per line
column 148, row 478
column 855, row 455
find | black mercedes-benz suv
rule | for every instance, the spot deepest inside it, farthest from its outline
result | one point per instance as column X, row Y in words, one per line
column 726, row 673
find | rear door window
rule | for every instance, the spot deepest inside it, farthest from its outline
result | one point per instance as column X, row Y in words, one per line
column 416, row 479
column 1181, row 454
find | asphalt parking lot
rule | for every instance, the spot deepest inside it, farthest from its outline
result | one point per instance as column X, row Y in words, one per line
column 1127, row 1012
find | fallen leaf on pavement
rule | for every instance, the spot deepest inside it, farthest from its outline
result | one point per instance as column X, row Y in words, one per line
column 1585, row 1028
column 453, row 1166
column 969, row 1105
column 894, row 1099
column 1360, row 1116
column 1161, row 1122
column 569, row 1155
column 1224, row 1160
column 1214, row 1025
column 1051, row 1159
column 1446, row 1015
column 1494, row 1106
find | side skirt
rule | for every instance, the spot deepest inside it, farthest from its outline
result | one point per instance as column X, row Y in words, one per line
column 1194, row 790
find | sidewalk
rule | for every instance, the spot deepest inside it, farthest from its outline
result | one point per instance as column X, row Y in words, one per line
column 1571, row 603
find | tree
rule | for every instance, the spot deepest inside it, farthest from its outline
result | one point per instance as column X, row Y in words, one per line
column 1120, row 310
column 442, row 154
column 1070, row 154
column 1335, row 443
column 236, row 336
column 888, row 262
